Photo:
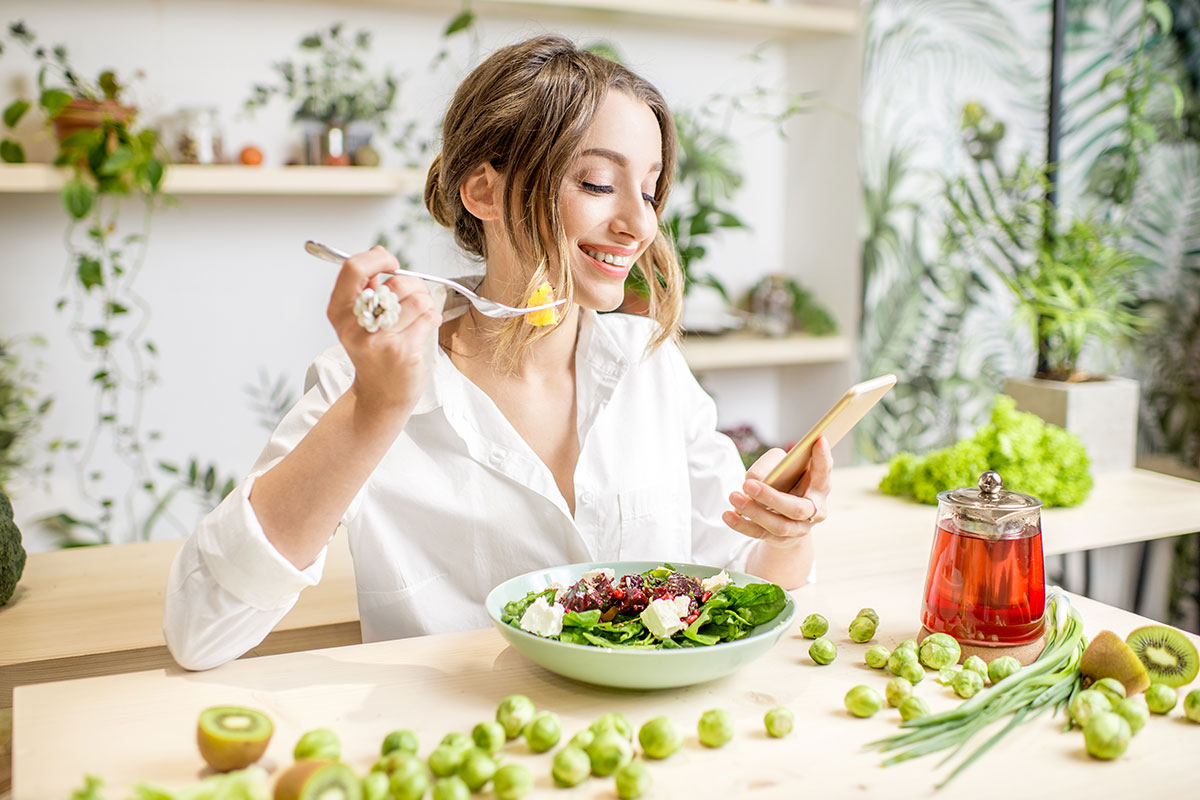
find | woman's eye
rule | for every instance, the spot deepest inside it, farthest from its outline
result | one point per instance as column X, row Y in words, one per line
column 596, row 188
column 649, row 198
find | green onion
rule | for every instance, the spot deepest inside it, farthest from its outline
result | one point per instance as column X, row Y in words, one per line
column 1048, row 683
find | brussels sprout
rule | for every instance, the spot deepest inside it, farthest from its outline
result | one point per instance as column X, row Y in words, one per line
column 543, row 732
column 457, row 739
column 908, row 644
column 912, row 672
column 1000, row 668
column 862, row 629
column 1111, row 688
column 608, row 752
column 402, row 740
column 660, row 737
column 571, row 766
column 1191, row 705
column 512, row 782
column 1087, row 704
column 967, row 683
column 978, row 664
column 779, row 722
column 1135, row 711
column 582, row 739
column 320, row 744
column 813, row 626
column 1161, row 698
column 946, row 674
column 863, row 701
column 897, row 691
column 375, row 786
column 715, row 727
column 615, row 721
column 489, row 737
column 476, row 769
column 877, row 656
column 513, row 712
column 899, row 657
column 450, row 787
column 822, row 651
column 913, row 707
column 445, row 759
column 408, row 779
column 1106, row 735
column 633, row 780
column 870, row 614
column 939, row 650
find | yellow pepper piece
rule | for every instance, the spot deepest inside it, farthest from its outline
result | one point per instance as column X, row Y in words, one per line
column 542, row 295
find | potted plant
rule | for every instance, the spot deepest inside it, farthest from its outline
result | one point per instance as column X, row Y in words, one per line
column 334, row 96
column 110, row 162
column 1073, row 284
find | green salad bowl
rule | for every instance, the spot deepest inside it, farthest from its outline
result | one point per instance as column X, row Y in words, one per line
column 632, row 668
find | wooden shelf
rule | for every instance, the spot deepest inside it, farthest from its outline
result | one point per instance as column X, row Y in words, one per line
column 727, row 17
column 743, row 351
column 223, row 179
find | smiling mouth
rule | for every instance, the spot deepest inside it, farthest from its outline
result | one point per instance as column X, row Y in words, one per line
column 609, row 264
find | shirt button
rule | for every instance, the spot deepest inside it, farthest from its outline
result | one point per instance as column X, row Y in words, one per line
column 588, row 497
column 497, row 457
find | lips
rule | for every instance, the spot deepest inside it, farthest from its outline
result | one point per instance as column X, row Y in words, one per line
column 612, row 270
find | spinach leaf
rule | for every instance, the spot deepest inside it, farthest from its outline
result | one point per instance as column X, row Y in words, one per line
column 756, row 603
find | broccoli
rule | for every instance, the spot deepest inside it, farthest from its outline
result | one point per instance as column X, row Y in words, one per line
column 1031, row 455
column 12, row 554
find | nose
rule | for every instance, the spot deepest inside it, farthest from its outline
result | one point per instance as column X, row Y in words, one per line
column 635, row 217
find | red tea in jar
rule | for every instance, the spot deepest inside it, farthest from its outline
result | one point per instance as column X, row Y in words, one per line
column 986, row 582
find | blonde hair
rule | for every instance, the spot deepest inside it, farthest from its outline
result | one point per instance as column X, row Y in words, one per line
column 525, row 110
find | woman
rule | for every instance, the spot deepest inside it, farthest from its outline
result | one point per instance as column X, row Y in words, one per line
column 498, row 447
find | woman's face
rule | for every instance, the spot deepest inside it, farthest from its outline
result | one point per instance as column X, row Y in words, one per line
column 607, row 199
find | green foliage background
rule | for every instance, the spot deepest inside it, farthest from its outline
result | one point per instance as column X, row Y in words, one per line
column 944, row 324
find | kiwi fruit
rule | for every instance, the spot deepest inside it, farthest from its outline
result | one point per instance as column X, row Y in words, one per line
column 313, row 779
column 1169, row 656
column 1107, row 656
column 231, row 737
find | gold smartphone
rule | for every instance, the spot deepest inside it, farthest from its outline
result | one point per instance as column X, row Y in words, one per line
column 837, row 422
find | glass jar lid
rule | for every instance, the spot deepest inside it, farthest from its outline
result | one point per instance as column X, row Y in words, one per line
column 990, row 508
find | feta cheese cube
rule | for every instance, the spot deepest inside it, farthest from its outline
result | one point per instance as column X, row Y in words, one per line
column 683, row 605
column 716, row 582
column 661, row 619
column 543, row 619
column 592, row 574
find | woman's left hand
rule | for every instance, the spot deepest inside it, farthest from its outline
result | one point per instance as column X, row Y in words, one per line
column 782, row 519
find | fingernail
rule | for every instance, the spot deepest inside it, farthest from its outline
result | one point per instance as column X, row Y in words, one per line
column 737, row 500
column 752, row 489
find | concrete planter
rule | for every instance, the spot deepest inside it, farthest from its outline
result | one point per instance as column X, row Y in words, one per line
column 1102, row 413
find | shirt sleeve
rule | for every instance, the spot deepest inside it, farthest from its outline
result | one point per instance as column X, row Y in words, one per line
column 228, row 586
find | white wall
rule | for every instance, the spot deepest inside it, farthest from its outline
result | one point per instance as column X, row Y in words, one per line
column 231, row 291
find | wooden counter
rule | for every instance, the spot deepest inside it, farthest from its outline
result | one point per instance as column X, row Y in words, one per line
column 868, row 533
column 98, row 610
column 449, row 682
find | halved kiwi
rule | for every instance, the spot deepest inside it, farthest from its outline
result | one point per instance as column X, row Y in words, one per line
column 318, row 780
column 1169, row 656
column 231, row 737
column 1107, row 656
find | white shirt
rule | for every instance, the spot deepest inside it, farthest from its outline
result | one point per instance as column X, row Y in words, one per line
column 461, row 503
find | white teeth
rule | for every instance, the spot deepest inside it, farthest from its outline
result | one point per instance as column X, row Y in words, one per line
column 609, row 258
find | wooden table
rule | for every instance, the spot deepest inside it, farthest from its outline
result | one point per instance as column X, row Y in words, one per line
column 870, row 534
column 140, row 726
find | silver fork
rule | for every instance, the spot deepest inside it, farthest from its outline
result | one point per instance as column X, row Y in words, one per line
column 489, row 308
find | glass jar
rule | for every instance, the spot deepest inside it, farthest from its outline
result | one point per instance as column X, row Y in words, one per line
column 199, row 140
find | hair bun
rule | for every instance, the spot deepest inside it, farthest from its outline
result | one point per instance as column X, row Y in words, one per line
column 435, row 196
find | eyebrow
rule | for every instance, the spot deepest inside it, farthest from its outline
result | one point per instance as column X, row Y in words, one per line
column 618, row 158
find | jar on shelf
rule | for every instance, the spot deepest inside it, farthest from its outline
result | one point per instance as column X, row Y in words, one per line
column 771, row 307
column 199, row 139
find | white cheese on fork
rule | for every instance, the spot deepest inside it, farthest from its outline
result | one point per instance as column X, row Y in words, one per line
column 661, row 618
column 543, row 619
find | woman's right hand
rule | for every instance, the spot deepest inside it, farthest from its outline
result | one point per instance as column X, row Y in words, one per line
column 389, row 369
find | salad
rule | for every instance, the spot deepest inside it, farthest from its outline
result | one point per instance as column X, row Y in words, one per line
column 659, row 608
